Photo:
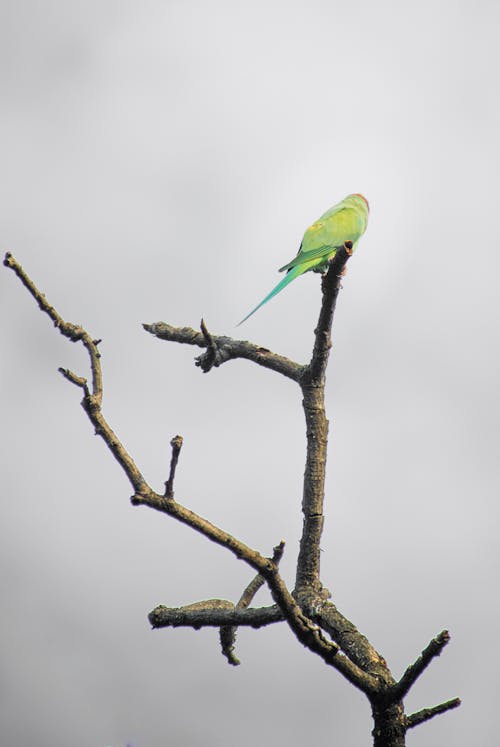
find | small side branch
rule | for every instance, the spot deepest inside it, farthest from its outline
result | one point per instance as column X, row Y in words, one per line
column 427, row 713
column 176, row 444
column 220, row 349
column 80, row 381
column 92, row 400
column 73, row 332
column 213, row 613
column 227, row 633
column 415, row 670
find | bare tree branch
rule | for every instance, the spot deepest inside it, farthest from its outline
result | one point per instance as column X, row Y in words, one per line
column 220, row 612
column 306, row 611
column 73, row 332
column 221, row 349
column 313, row 390
column 427, row 713
column 207, row 614
column 308, row 633
column 176, row 444
column 414, row 671
column 80, row 381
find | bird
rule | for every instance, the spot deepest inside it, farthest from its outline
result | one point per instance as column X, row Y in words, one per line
column 344, row 223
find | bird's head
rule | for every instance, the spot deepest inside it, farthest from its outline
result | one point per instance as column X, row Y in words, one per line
column 362, row 199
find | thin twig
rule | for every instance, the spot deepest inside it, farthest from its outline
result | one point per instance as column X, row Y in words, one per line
column 227, row 633
column 414, row 671
column 176, row 444
column 91, row 402
column 427, row 713
column 73, row 332
column 80, row 381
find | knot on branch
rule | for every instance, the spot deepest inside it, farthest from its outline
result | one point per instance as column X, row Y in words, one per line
column 215, row 354
column 312, row 597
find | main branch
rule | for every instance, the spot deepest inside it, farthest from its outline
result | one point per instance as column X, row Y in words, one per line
column 308, row 583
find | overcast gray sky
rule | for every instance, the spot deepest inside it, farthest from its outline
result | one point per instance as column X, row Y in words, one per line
column 160, row 160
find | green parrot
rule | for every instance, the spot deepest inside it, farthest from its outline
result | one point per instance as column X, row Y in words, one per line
column 345, row 221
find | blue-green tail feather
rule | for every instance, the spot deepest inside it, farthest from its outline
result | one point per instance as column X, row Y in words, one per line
column 291, row 275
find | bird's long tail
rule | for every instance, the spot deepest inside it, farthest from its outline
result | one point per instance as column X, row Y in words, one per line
column 291, row 275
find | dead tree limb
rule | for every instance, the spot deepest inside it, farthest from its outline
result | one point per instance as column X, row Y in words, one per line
column 315, row 621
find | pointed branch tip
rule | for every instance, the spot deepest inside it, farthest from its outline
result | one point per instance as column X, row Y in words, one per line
column 80, row 381
column 414, row 671
column 427, row 713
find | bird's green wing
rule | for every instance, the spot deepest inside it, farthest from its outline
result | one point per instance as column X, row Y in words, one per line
column 326, row 235
column 345, row 224
column 322, row 253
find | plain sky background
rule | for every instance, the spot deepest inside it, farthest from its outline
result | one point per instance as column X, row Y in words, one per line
column 159, row 162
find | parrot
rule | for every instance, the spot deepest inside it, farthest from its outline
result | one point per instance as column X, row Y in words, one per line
column 344, row 222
